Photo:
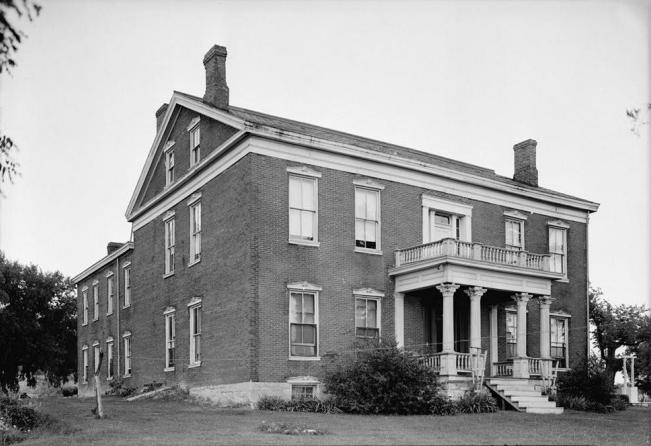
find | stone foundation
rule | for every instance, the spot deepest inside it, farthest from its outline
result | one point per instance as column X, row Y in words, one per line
column 245, row 393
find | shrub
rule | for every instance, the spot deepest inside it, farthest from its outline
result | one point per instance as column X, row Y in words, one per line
column 382, row 379
column 442, row 406
column 571, row 402
column 117, row 387
column 289, row 429
column 619, row 402
column 301, row 405
column 69, row 391
column 18, row 416
column 476, row 402
column 591, row 383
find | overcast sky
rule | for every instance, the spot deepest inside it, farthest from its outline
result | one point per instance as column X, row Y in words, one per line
column 460, row 79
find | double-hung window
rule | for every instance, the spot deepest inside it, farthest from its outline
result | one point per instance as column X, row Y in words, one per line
column 367, row 313
column 511, row 334
column 109, row 359
column 84, row 361
column 303, row 321
column 514, row 230
column 127, row 287
column 558, row 246
column 195, row 332
column 95, row 300
column 367, row 217
column 170, row 338
column 109, row 294
column 195, row 232
column 195, row 147
column 169, row 166
column 84, row 298
column 96, row 355
column 126, row 339
column 558, row 332
column 170, row 242
column 303, row 209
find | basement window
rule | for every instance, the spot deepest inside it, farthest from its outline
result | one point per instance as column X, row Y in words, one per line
column 300, row 391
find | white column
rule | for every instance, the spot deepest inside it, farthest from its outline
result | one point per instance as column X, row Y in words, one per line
column 399, row 318
column 545, row 348
column 494, row 355
column 475, row 293
column 521, row 300
column 447, row 290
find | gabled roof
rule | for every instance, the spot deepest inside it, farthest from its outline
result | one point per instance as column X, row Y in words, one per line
column 263, row 124
column 101, row 263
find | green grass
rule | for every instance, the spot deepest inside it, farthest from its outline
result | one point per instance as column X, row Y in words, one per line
column 183, row 423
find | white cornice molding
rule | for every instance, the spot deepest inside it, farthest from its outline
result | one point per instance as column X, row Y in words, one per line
column 303, row 286
column 304, row 170
column 367, row 292
column 515, row 215
column 103, row 262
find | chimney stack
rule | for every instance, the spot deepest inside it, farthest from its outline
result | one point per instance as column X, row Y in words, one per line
column 112, row 247
column 160, row 114
column 525, row 162
column 216, row 89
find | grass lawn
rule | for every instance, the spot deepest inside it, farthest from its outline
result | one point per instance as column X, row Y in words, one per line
column 183, row 423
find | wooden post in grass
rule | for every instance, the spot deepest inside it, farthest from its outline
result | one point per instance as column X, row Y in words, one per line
column 98, row 410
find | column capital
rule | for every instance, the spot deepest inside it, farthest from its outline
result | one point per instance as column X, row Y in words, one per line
column 521, row 298
column 447, row 288
column 475, row 292
column 545, row 300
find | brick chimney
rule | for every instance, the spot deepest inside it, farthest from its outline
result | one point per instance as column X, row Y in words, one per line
column 525, row 162
column 112, row 247
column 216, row 89
column 160, row 114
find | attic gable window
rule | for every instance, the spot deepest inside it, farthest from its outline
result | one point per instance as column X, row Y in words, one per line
column 168, row 153
column 195, row 138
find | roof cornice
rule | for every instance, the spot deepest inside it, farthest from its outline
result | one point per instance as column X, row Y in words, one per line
column 128, row 246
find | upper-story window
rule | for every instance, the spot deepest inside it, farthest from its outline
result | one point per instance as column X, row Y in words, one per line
column 195, row 138
column 109, row 294
column 95, row 300
column 367, row 216
column 168, row 153
column 445, row 219
column 303, row 205
column 514, row 229
column 127, row 285
column 303, row 320
column 170, row 243
column 84, row 299
column 558, row 246
column 195, row 232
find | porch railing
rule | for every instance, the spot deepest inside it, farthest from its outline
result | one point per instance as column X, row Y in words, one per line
column 464, row 363
column 504, row 368
column 432, row 361
column 540, row 366
column 474, row 251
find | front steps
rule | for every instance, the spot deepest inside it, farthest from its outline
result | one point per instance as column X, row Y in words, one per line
column 522, row 396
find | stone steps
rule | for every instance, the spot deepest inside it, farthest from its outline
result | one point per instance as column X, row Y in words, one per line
column 523, row 396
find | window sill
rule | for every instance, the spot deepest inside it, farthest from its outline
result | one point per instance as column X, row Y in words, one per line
column 109, row 314
column 85, row 324
column 166, row 275
column 95, row 320
column 375, row 252
column 127, row 375
column 126, row 306
column 194, row 365
column 305, row 358
column 194, row 263
column 563, row 280
column 169, row 369
column 304, row 243
column 109, row 379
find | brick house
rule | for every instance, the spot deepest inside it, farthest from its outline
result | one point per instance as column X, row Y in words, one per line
column 262, row 245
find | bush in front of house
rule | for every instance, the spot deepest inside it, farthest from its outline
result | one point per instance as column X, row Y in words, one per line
column 588, row 388
column 117, row 387
column 380, row 378
column 300, row 405
column 476, row 402
column 20, row 421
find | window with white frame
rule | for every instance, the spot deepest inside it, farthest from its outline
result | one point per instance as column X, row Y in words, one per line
column 127, row 287
column 126, row 339
column 84, row 298
column 95, row 301
column 514, row 229
column 367, row 317
column 303, row 208
column 558, row 341
column 109, row 359
column 301, row 391
column 195, row 232
column 303, row 321
column 445, row 226
column 169, row 167
column 195, row 332
column 109, row 294
column 96, row 357
column 511, row 334
column 170, row 242
column 84, row 361
column 170, row 338
column 195, row 147
column 445, row 219
column 367, row 218
column 558, row 246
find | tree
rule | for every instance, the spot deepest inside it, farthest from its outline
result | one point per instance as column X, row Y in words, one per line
column 615, row 327
column 37, row 325
column 10, row 38
column 643, row 361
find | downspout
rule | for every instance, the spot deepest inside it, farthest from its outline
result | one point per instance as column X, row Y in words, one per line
column 587, row 289
column 117, row 309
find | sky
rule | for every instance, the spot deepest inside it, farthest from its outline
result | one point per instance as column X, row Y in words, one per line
column 464, row 79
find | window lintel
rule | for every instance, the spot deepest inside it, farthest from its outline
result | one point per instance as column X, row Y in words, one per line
column 109, row 274
column 126, row 264
column 126, row 334
column 168, row 145
column 194, row 198
column 439, row 204
column 557, row 224
column 95, row 343
column 307, row 380
column 368, row 292
column 516, row 215
column 169, row 310
column 303, row 170
column 95, row 282
column 84, row 288
column 195, row 302
column 368, row 183
column 303, row 286
column 109, row 339
column 560, row 314
column 193, row 123
column 169, row 215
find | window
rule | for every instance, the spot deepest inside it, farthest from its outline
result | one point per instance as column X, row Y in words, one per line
column 96, row 355
column 367, row 218
column 558, row 247
column 303, row 323
column 195, row 137
column 84, row 297
column 170, row 338
column 169, row 167
column 127, row 287
column 84, row 360
column 302, row 209
column 109, row 359
column 170, row 241
column 444, row 226
column 558, row 332
column 511, row 334
column 300, row 391
column 514, row 234
column 95, row 301
column 195, row 332
column 366, row 317
column 109, row 295
column 445, row 219
column 126, row 338
column 195, row 232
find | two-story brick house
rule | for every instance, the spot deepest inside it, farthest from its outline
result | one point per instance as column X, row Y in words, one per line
column 261, row 244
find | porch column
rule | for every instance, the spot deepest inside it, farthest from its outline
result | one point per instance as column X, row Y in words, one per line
column 399, row 318
column 545, row 349
column 475, row 293
column 521, row 362
column 494, row 355
column 447, row 290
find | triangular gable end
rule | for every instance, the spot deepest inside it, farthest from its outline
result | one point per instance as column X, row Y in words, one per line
column 177, row 104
